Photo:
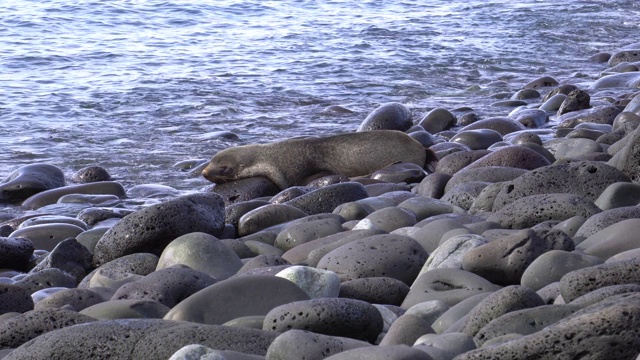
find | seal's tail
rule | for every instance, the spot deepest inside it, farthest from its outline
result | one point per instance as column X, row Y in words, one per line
column 431, row 161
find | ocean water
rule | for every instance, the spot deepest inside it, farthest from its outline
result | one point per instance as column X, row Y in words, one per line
column 137, row 86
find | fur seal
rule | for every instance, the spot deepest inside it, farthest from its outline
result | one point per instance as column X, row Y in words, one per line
column 296, row 161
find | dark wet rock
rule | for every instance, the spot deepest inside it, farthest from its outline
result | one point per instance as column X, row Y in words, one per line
column 388, row 116
column 29, row 180
column 326, row 199
column 300, row 344
column 477, row 139
column 286, row 195
column 47, row 278
column 432, row 186
column 501, row 302
column 582, row 281
column 52, row 196
column 14, row 298
column 503, row 261
column 553, row 265
column 152, row 228
column 245, row 189
column 531, row 210
column 576, row 100
column 236, row 297
column 400, row 173
column 447, row 285
column 68, row 256
column 22, row 328
column 139, row 339
column 375, row 290
column 327, row 180
column 423, row 137
column 512, row 156
column 93, row 216
column 15, row 253
column 606, row 330
column 266, row 216
column 396, row 256
column 168, row 286
column 329, row 316
column 437, row 120
column 91, row 174
column 233, row 212
column 138, row 264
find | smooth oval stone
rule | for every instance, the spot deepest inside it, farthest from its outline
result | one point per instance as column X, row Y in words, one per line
column 300, row 253
column 22, row 328
column 449, row 254
column 612, row 240
column 201, row 252
column 266, row 216
column 531, row 118
column 90, row 174
column 605, row 219
column 478, row 139
column 126, row 309
column 316, row 254
column 138, row 264
column 406, row 330
column 103, row 200
column 141, row 339
column 152, row 191
column 627, row 55
column 503, row 261
column 596, row 332
column 152, row 228
column 29, row 180
column 300, row 344
column 329, row 316
column 388, row 116
column 455, row 162
column 261, row 248
column 524, row 322
column 553, row 103
column 437, row 120
column 619, row 195
column 303, row 232
column 112, row 279
column 233, row 212
column 626, row 122
column 15, row 252
column 246, row 189
column 625, row 255
column 604, row 114
column 455, row 313
column 48, row 219
column 551, row 266
column 47, row 236
column 375, row 290
column 572, row 148
column 509, row 103
column 236, row 297
column 15, row 298
column 288, row 194
column 604, row 293
column 326, row 199
column 579, row 282
column 432, row 186
column 52, row 196
column 316, row 283
column 423, row 137
column 447, row 285
column 89, row 238
column 512, row 156
column 531, row 210
column 387, row 219
column 423, row 207
column 501, row 302
column 430, row 234
column 395, row 256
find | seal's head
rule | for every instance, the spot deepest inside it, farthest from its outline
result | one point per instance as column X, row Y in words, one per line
column 224, row 166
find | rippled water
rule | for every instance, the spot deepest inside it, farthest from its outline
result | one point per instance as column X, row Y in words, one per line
column 136, row 86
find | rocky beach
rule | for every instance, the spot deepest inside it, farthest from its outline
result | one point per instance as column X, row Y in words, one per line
column 522, row 242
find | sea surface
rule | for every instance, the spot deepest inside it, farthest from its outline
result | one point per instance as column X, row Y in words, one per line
column 137, row 86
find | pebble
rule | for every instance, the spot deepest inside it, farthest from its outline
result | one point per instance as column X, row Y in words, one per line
column 69, row 256
column 138, row 264
column 477, row 139
column 388, row 116
column 432, row 186
column 300, row 253
column 46, row 278
column 15, row 252
column 456, row 312
column 406, row 330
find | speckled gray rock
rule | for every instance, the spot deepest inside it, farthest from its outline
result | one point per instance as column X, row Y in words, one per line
column 233, row 212
column 91, row 174
column 464, row 194
column 288, row 194
column 450, row 253
column 29, row 180
column 71, row 299
column 300, row 232
column 387, row 219
column 437, row 120
column 503, row 261
column 490, row 174
column 575, row 100
column 501, row 302
column 14, row 298
column 478, row 139
column 375, row 290
column 245, row 189
column 126, row 309
column 330, row 316
column 236, row 297
column 604, row 293
column 93, row 216
column 152, row 228
column 68, row 256
column 503, row 125
column 52, row 196
column 326, row 199
column 553, row 265
column 626, row 55
column 606, row 330
column 395, row 352
column 300, row 253
column 300, row 344
column 512, row 156
column 587, row 178
column 530, row 210
column 524, row 322
column 579, row 282
column 605, row 219
column 619, row 80
column 453, row 163
column 168, row 286
column 140, row 339
column 332, row 242
column 15, row 252
column 201, row 252
column 625, row 122
column 22, row 328
column 138, row 263
column 424, row 207
column 51, row 277
column 599, row 115
column 447, row 285
column 266, row 216
column 612, row 240
column 396, row 256
column 388, row 116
